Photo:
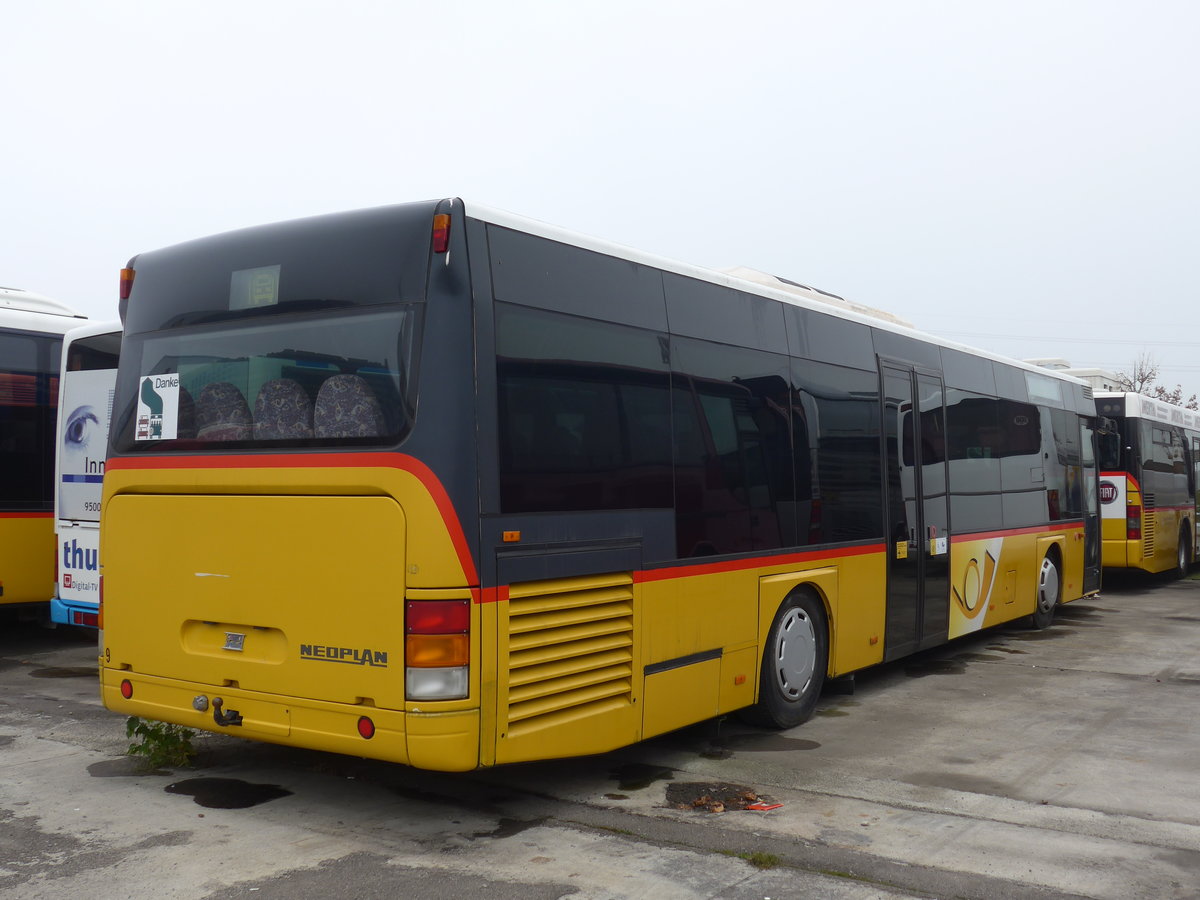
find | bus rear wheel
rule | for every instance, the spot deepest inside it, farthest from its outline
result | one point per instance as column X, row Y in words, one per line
column 794, row 662
column 1183, row 554
column 1049, row 592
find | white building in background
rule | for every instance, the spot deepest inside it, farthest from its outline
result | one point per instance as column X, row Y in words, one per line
column 1098, row 379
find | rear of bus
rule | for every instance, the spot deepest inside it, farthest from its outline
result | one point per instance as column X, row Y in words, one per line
column 31, row 330
column 88, row 377
column 283, row 555
column 1148, row 483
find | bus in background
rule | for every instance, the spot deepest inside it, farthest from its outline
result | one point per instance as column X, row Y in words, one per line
column 89, row 374
column 1149, row 473
column 31, row 330
column 437, row 484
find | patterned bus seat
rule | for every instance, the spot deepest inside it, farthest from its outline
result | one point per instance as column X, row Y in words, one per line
column 347, row 407
column 282, row 411
column 222, row 413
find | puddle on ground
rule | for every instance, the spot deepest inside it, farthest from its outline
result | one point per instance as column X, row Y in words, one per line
column 124, row 767
column 979, row 657
column 935, row 667
column 961, row 781
column 755, row 743
column 1046, row 634
column 227, row 793
column 66, row 672
column 831, row 712
column 509, row 827
column 636, row 776
column 999, row 649
column 716, row 753
column 713, row 796
column 616, row 796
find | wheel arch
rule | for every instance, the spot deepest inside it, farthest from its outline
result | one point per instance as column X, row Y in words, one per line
column 775, row 590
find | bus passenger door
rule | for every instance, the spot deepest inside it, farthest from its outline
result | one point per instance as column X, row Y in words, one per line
column 914, row 427
column 1195, row 485
column 1091, row 511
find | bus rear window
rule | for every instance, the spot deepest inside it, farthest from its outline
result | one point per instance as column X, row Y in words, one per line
column 279, row 381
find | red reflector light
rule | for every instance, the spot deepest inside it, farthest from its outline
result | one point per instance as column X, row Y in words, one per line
column 438, row 616
column 127, row 689
column 366, row 727
column 85, row 618
column 441, row 233
column 126, row 283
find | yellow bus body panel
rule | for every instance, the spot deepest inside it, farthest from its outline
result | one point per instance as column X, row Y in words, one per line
column 27, row 548
column 282, row 591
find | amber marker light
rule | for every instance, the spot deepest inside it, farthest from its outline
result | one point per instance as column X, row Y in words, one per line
column 441, row 233
column 126, row 283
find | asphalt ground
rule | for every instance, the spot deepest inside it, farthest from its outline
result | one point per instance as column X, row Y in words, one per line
column 1022, row 764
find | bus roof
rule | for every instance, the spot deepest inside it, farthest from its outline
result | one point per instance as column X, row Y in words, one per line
column 27, row 301
column 1139, row 406
column 90, row 328
column 789, row 292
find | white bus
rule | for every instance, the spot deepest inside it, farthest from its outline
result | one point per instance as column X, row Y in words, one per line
column 31, row 330
column 89, row 373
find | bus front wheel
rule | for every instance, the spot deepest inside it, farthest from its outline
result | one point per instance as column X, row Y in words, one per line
column 794, row 662
column 1049, row 592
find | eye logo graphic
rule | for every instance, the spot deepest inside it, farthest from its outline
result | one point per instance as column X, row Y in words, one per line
column 78, row 431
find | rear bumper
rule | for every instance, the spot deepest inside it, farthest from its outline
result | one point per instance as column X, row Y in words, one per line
column 67, row 612
column 443, row 741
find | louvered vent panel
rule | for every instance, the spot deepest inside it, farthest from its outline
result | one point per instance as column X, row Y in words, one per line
column 570, row 649
column 1148, row 523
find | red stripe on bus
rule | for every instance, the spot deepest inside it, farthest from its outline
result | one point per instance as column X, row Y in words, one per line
column 1012, row 532
column 409, row 464
column 756, row 562
column 26, row 515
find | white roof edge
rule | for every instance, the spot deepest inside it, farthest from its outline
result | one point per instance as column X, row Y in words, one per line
column 27, row 301
column 91, row 327
column 553, row 232
column 1137, row 404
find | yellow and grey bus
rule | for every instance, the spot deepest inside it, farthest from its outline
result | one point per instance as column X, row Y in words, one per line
column 438, row 484
column 31, row 330
column 1149, row 465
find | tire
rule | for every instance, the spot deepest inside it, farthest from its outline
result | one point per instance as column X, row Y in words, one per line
column 1049, row 592
column 794, row 663
column 1183, row 555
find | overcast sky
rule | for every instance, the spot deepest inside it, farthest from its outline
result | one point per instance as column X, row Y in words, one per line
column 1019, row 176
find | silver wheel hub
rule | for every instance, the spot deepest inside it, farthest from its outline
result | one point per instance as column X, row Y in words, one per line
column 1047, row 586
column 795, row 654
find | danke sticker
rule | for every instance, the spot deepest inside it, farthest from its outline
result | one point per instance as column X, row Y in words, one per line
column 158, row 408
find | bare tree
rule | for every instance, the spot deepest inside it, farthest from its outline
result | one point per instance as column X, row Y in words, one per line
column 1143, row 379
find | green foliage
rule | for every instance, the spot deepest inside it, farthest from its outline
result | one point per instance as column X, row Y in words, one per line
column 160, row 743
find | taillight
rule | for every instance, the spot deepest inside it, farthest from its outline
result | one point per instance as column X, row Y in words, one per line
column 127, row 689
column 437, row 649
column 126, row 283
column 441, row 233
column 366, row 728
column 1133, row 523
